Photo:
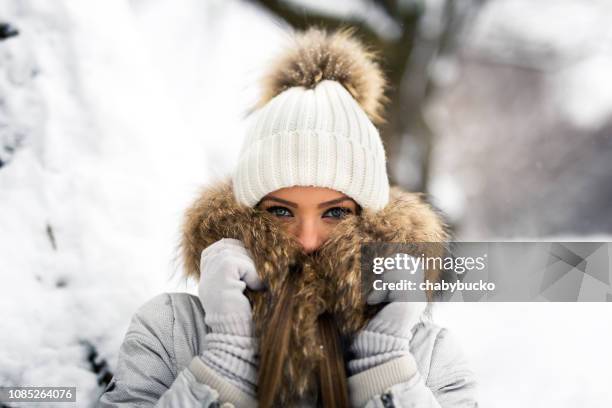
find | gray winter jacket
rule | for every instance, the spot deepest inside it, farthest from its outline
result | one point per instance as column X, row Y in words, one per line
column 158, row 366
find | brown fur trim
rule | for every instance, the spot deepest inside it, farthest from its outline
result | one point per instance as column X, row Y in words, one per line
column 330, row 280
column 317, row 55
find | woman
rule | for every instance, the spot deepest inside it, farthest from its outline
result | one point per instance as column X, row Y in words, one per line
column 280, row 319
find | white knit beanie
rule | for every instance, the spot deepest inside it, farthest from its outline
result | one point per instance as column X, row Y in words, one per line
column 313, row 125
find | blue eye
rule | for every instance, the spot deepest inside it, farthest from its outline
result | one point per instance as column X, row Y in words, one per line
column 279, row 211
column 337, row 212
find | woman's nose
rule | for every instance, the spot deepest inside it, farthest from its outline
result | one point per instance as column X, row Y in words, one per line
column 309, row 236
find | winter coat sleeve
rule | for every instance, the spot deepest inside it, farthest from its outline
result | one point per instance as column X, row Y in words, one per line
column 449, row 384
column 146, row 373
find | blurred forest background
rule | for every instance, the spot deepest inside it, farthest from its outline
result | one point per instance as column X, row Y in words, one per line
column 114, row 113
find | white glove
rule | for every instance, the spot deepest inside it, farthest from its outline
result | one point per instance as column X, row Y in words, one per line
column 226, row 269
column 387, row 335
column 400, row 315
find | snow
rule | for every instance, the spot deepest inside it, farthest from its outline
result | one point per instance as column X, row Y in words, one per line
column 535, row 354
column 126, row 108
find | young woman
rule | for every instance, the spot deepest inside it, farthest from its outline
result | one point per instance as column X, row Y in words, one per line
column 282, row 318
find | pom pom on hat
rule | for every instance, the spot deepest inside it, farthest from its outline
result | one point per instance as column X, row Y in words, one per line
column 317, row 55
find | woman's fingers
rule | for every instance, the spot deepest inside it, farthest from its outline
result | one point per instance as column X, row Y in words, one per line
column 400, row 317
column 234, row 261
column 247, row 272
column 385, row 294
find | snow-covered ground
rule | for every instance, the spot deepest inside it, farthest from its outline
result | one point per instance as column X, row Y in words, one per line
column 123, row 109
column 535, row 354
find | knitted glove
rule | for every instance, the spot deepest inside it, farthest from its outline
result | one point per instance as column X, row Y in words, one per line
column 387, row 335
column 226, row 268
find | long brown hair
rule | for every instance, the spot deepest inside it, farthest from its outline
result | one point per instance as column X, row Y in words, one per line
column 274, row 351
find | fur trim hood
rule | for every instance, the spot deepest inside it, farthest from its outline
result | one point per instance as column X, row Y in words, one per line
column 328, row 281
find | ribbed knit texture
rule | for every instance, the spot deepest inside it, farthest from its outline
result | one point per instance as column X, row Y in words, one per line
column 235, row 323
column 227, row 392
column 379, row 342
column 313, row 137
column 233, row 356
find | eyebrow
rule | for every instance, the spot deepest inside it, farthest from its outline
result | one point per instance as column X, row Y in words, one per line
column 294, row 205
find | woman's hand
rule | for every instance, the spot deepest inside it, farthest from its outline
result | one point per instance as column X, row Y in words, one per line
column 226, row 269
column 387, row 335
column 231, row 349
